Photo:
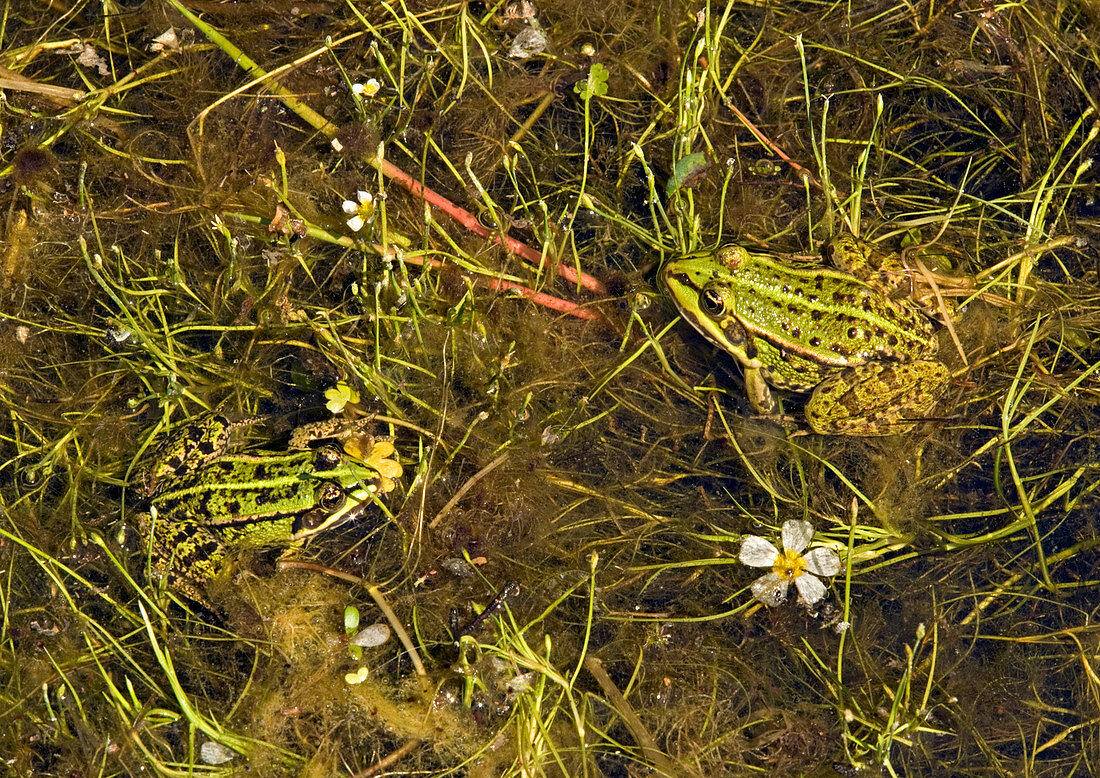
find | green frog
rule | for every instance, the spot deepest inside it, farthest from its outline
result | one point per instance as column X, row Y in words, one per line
column 205, row 500
column 868, row 356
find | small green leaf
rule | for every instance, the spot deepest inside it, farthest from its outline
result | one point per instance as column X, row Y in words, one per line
column 351, row 619
column 596, row 83
column 339, row 396
column 687, row 172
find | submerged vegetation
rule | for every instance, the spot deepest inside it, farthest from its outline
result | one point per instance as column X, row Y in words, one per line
column 445, row 222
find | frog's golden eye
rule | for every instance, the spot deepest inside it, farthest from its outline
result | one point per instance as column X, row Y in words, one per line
column 329, row 497
column 711, row 301
column 327, row 458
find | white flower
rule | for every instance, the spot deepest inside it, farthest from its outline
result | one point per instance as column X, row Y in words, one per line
column 360, row 212
column 789, row 565
column 370, row 89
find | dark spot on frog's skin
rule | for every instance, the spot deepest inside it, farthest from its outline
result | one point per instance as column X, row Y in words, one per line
column 853, row 333
column 259, row 473
column 815, row 341
column 786, row 288
column 819, row 282
column 893, row 340
column 815, row 314
column 233, row 507
column 796, row 332
column 682, row 279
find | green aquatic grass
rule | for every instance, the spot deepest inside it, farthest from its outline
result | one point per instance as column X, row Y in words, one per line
column 174, row 241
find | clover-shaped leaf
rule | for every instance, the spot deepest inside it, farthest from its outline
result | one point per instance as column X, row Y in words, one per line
column 596, row 83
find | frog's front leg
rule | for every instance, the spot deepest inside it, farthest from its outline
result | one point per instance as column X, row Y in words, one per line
column 760, row 394
column 878, row 398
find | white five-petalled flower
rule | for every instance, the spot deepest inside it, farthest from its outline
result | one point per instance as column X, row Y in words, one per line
column 790, row 564
column 370, row 88
column 360, row 212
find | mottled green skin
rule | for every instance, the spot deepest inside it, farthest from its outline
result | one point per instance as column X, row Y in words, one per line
column 205, row 503
column 869, row 359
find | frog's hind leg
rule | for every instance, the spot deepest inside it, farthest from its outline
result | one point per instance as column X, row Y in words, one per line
column 185, row 555
column 878, row 398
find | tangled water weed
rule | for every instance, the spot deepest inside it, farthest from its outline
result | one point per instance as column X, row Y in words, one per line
column 572, row 476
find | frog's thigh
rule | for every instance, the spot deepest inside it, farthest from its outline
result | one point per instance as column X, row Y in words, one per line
column 879, row 398
column 183, row 552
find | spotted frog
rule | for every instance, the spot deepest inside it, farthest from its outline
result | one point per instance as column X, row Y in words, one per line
column 867, row 356
column 204, row 500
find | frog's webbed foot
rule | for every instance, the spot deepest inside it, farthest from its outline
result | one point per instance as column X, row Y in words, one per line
column 337, row 428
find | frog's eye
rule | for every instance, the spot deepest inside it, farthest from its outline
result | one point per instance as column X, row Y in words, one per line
column 711, row 301
column 328, row 457
column 329, row 497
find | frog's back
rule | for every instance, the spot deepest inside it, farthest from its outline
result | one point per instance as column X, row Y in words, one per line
column 826, row 316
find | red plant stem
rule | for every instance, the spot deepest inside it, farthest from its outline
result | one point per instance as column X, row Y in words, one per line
column 498, row 284
column 470, row 222
column 771, row 145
